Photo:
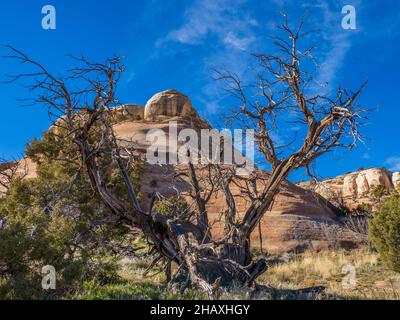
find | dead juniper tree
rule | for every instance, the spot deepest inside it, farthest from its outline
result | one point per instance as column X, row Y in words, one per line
column 81, row 103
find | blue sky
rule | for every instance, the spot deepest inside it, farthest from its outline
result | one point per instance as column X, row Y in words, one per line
column 176, row 44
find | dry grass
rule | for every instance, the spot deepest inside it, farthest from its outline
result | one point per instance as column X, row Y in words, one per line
column 289, row 278
column 372, row 279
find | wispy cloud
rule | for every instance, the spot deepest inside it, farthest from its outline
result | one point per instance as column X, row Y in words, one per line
column 335, row 43
column 234, row 32
column 333, row 61
column 241, row 43
column 202, row 18
column 393, row 163
column 228, row 29
column 207, row 18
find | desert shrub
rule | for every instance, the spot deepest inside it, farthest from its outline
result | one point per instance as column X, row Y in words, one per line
column 32, row 238
column 363, row 208
column 356, row 223
column 384, row 231
column 378, row 192
column 55, row 219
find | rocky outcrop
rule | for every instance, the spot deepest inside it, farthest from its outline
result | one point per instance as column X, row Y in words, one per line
column 299, row 219
column 169, row 103
column 25, row 168
column 396, row 179
column 362, row 183
column 356, row 188
column 128, row 112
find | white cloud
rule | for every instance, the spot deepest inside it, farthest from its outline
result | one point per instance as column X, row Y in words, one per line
column 228, row 22
column 393, row 163
column 222, row 19
column 240, row 43
column 233, row 32
column 237, row 32
column 333, row 60
column 335, row 44
column 200, row 19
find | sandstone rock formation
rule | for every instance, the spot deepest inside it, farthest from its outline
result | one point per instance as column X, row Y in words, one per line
column 299, row 219
column 396, row 179
column 356, row 188
column 169, row 103
column 25, row 168
column 129, row 112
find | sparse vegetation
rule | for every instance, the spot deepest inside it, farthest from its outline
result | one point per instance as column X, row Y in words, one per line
column 54, row 220
column 384, row 231
column 357, row 223
column 373, row 279
column 364, row 208
column 378, row 192
column 312, row 275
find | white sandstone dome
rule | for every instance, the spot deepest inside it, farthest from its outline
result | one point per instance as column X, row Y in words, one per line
column 169, row 103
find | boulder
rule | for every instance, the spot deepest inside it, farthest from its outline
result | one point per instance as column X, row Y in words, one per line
column 166, row 104
column 360, row 184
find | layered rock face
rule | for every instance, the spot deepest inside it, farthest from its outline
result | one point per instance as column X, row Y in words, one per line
column 299, row 219
column 356, row 188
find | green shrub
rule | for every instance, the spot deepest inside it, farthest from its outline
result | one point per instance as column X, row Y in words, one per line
column 55, row 219
column 378, row 192
column 384, row 231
